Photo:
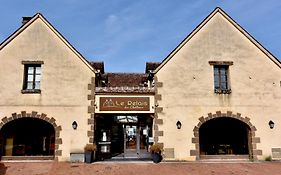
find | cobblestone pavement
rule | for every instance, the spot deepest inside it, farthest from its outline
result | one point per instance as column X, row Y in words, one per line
column 140, row 168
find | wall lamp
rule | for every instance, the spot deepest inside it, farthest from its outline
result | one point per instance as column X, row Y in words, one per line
column 178, row 124
column 74, row 125
column 271, row 124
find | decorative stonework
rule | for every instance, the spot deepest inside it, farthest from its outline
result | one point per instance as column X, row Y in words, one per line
column 126, row 90
column 229, row 63
column 158, row 110
column 42, row 116
column 169, row 153
column 253, row 151
column 222, row 91
column 91, row 110
column 276, row 153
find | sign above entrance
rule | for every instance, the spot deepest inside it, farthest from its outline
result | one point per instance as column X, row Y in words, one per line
column 124, row 104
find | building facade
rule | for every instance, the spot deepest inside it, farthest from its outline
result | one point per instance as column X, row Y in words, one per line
column 216, row 95
column 40, row 76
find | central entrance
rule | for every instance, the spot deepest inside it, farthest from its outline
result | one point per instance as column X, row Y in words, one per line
column 123, row 136
column 132, row 140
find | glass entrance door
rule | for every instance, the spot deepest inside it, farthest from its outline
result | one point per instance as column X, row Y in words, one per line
column 131, row 140
column 128, row 134
column 136, row 141
column 131, row 137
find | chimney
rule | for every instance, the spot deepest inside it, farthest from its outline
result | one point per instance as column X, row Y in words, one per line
column 25, row 19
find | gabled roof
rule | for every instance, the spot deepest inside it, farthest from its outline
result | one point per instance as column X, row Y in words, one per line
column 236, row 25
column 49, row 25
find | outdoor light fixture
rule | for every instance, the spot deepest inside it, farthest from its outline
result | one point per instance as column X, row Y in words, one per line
column 178, row 124
column 271, row 124
column 74, row 125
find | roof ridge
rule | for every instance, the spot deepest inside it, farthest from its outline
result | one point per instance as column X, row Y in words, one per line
column 53, row 29
column 203, row 23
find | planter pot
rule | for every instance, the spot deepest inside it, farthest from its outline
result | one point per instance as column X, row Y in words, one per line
column 156, row 157
column 90, row 156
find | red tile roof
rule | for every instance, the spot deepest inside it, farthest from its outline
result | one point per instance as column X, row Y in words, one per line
column 128, row 83
column 125, row 79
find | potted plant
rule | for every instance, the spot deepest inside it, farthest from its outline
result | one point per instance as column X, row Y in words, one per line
column 156, row 150
column 90, row 152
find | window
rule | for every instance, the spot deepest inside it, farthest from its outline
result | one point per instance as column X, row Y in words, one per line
column 32, row 78
column 221, row 76
column 221, row 79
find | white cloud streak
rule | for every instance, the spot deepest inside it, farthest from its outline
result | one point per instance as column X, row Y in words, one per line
column 127, row 33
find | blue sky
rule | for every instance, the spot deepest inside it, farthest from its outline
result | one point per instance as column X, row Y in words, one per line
column 127, row 33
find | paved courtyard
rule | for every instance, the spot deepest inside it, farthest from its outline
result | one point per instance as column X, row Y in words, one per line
column 140, row 168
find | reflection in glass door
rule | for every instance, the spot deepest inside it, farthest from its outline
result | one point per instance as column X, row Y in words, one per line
column 129, row 134
column 131, row 141
column 131, row 137
column 135, row 140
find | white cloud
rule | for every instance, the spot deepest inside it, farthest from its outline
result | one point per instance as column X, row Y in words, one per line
column 138, row 31
column 111, row 19
column 113, row 24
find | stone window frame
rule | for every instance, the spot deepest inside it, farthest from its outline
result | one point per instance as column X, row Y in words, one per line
column 253, row 152
column 25, row 75
column 220, row 65
column 42, row 116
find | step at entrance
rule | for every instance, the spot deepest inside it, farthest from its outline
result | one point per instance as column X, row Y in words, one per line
column 224, row 158
column 8, row 158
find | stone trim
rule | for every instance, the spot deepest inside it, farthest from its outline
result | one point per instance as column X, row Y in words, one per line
column 158, row 122
column 31, row 91
column 158, row 97
column 158, row 133
column 276, row 153
column 229, row 63
column 32, row 62
column 91, row 110
column 159, row 84
column 169, row 153
column 42, row 116
column 253, row 151
column 158, row 109
column 125, row 90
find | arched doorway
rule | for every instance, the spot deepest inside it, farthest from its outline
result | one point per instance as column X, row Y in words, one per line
column 240, row 121
column 224, row 136
column 27, row 137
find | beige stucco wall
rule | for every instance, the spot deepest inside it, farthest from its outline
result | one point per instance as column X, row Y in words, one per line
column 64, row 83
column 188, row 87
